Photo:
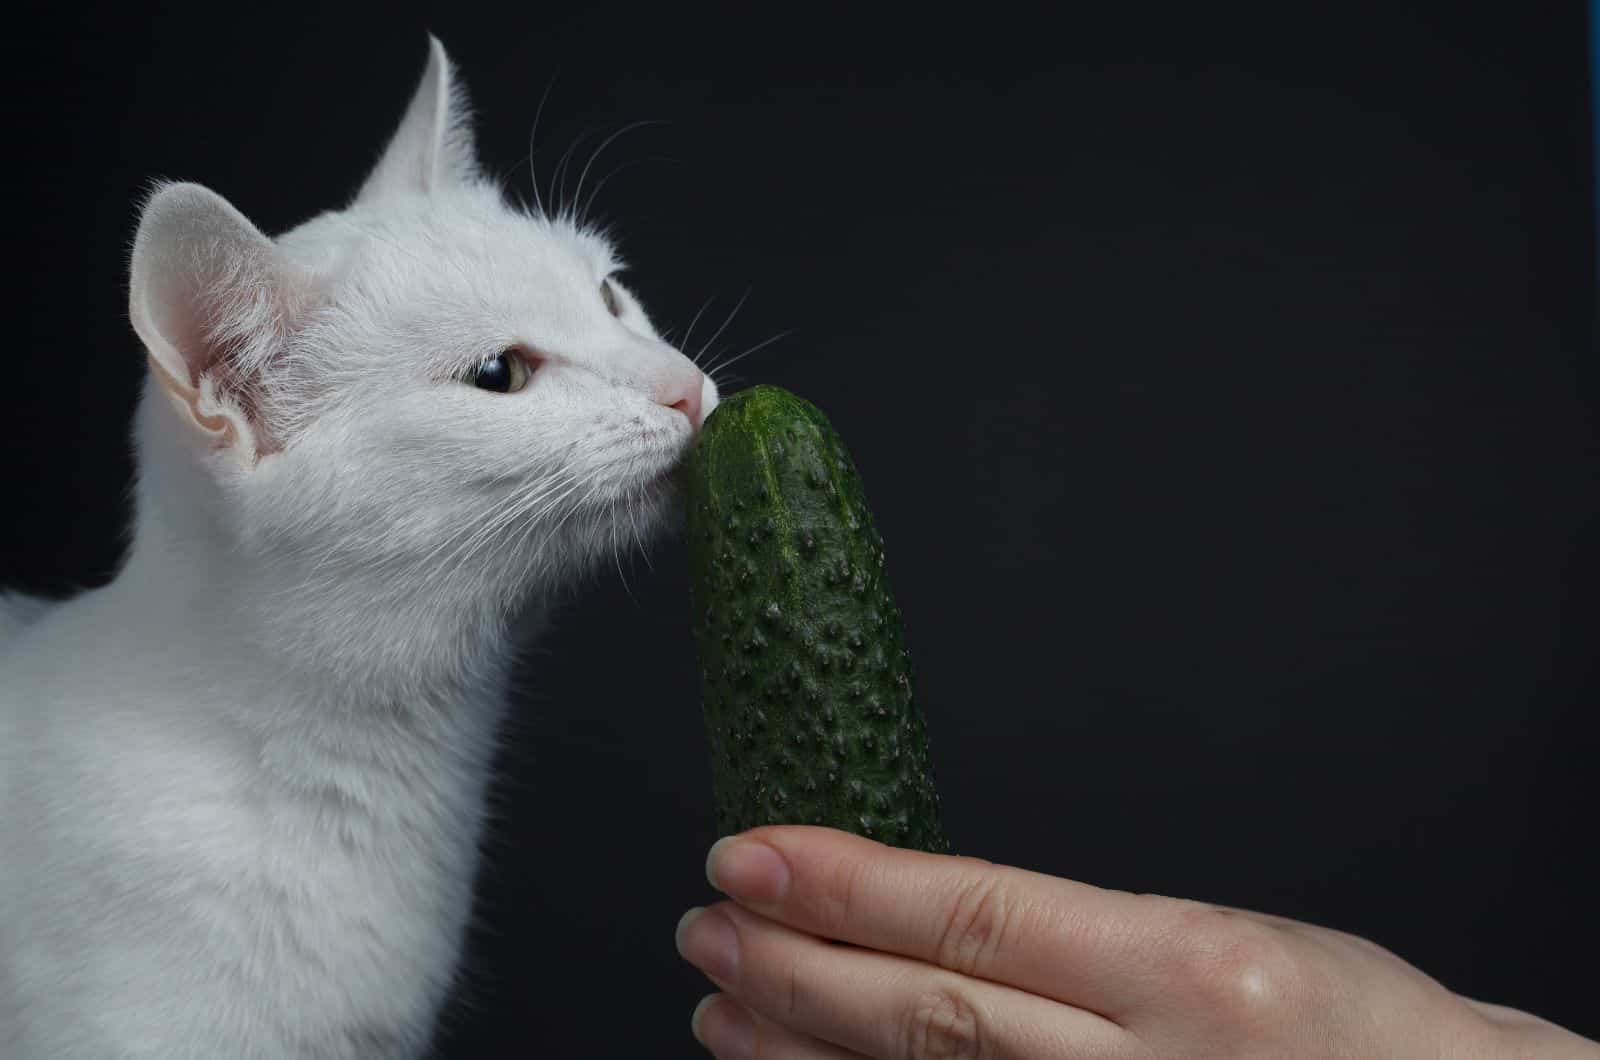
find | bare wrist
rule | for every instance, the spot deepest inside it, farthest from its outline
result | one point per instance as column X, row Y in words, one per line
column 1511, row 1034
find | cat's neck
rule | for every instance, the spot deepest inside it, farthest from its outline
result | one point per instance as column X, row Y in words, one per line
column 347, row 640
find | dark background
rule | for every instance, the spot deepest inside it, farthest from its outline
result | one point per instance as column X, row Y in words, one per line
column 1224, row 385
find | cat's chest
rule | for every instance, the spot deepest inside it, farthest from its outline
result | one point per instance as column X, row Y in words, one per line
column 317, row 882
column 346, row 821
column 202, row 852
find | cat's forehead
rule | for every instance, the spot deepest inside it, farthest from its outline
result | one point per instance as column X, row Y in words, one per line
column 474, row 228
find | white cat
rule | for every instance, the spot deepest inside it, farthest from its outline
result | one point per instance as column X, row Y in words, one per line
column 241, row 786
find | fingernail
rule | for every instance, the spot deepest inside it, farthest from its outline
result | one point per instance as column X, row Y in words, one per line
column 747, row 869
column 683, row 924
column 708, row 941
column 724, row 1027
column 697, row 1014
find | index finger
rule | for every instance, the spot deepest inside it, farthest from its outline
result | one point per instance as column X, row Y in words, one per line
column 1092, row 948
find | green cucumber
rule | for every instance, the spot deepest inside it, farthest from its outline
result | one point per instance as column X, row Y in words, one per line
column 809, row 708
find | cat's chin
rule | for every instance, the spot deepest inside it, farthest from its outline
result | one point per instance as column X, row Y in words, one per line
column 650, row 500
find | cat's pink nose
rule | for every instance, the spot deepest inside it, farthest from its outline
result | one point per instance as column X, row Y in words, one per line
column 686, row 393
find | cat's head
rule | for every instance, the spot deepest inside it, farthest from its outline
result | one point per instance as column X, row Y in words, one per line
column 429, row 383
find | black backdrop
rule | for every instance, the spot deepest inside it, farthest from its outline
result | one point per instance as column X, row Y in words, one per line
column 1224, row 387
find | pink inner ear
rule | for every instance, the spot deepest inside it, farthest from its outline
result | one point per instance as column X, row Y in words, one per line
column 201, row 353
column 220, row 427
column 211, row 298
column 219, row 312
column 203, row 375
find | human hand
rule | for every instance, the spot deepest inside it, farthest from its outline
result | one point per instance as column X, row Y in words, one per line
column 956, row 957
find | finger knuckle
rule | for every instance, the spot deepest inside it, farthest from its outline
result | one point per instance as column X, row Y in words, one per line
column 940, row 1024
column 1250, row 976
column 1247, row 975
column 977, row 926
column 838, row 896
column 795, row 992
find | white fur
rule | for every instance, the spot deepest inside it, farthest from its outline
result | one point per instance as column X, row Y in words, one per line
column 242, row 786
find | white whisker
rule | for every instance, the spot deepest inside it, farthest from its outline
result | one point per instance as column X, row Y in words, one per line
column 534, row 132
column 638, row 539
column 558, row 193
column 718, row 366
column 594, row 489
column 473, row 536
column 686, row 335
column 577, row 195
column 595, row 194
column 616, row 556
column 726, row 322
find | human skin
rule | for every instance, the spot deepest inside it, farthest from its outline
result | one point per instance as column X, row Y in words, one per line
column 835, row 947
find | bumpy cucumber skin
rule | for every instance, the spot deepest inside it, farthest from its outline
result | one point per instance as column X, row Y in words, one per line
column 809, row 707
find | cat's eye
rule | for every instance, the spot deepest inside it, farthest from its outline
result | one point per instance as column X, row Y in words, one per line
column 504, row 373
column 609, row 295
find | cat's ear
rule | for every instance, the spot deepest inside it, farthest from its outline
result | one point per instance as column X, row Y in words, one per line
column 213, row 301
column 433, row 147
